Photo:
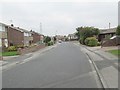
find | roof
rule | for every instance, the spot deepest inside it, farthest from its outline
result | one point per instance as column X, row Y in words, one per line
column 105, row 31
column 9, row 26
column 21, row 29
column 72, row 34
column 2, row 24
column 36, row 33
column 16, row 28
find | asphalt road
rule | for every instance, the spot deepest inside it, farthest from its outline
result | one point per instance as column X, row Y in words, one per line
column 64, row 66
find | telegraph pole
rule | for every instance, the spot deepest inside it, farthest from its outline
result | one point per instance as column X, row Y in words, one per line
column 41, row 41
column 40, row 28
column 109, row 25
column 56, row 32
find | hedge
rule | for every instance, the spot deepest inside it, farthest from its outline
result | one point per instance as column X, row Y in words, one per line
column 91, row 41
column 50, row 43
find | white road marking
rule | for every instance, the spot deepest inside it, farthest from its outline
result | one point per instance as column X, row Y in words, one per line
column 3, row 62
column 9, row 65
column 90, row 61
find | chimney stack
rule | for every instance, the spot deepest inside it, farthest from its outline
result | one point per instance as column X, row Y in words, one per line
column 12, row 25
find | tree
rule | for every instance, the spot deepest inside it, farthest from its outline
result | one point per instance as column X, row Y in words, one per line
column 85, row 32
column 78, row 32
column 47, row 39
column 118, row 31
column 55, row 39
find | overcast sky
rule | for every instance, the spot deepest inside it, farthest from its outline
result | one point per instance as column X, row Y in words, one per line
column 59, row 17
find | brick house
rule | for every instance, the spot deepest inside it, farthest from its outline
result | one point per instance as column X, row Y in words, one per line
column 10, row 36
column 105, row 33
column 3, row 35
column 15, row 36
column 28, row 39
column 37, row 38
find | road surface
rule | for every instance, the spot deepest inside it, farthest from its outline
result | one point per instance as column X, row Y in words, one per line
column 64, row 66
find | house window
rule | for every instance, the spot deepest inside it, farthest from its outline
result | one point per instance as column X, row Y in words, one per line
column 2, row 27
column 26, row 34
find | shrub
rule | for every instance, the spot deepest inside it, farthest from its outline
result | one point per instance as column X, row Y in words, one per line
column 87, row 41
column 12, row 48
column 50, row 43
column 47, row 39
column 98, row 44
column 118, row 31
column 91, row 41
column 20, row 46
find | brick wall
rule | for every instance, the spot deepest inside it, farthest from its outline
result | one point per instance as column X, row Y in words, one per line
column 15, row 37
column 36, row 37
column 31, row 49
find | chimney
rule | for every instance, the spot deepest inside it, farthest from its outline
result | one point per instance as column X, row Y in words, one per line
column 12, row 25
column 31, row 30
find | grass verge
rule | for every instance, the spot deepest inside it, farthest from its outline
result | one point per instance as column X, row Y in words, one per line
column 115, row 52
column 12, row 53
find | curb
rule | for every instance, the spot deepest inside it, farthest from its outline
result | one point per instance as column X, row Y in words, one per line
column 10, row 57
column 101, row 56
column 95, row 52
column 101, row 78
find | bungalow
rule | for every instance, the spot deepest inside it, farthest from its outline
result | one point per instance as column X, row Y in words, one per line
column 72, row 37
column 105, row 33
column 60, row 37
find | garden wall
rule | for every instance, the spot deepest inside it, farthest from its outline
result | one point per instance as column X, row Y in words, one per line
column 31, row 49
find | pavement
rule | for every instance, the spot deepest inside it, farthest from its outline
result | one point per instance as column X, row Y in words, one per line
column 10, row 61
column 64, row 66
column 106, row 64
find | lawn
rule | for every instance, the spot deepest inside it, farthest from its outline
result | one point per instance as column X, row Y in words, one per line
column 12, row 53
column 115, row 52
